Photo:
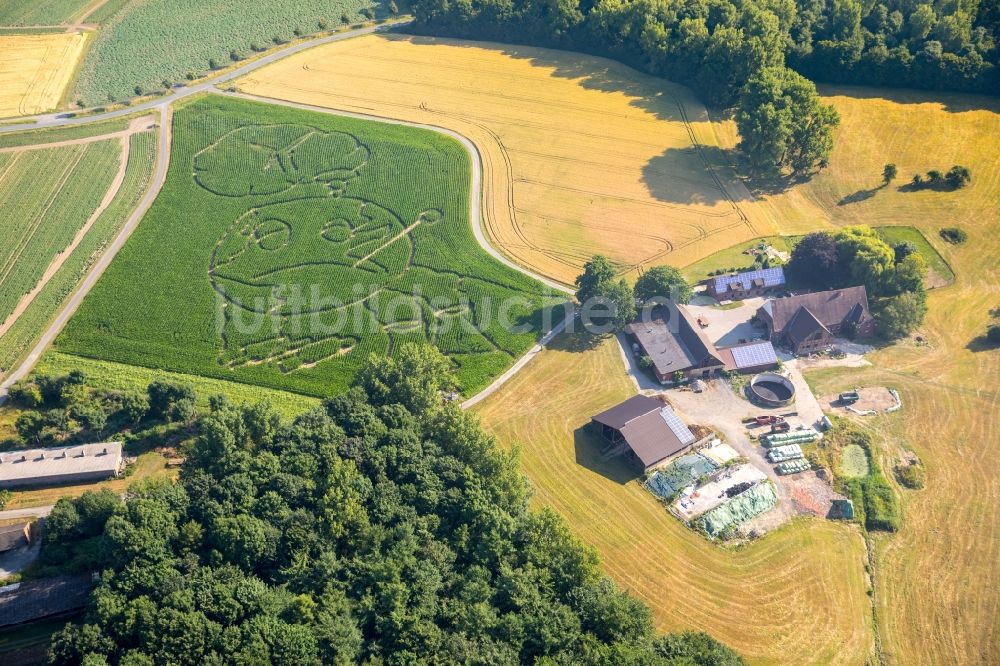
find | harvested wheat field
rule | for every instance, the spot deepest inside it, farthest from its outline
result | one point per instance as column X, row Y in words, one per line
column 796, row 596
column 35, row 70
column 581, row 155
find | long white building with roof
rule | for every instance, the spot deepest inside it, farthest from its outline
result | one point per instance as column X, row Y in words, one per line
column 84, row 463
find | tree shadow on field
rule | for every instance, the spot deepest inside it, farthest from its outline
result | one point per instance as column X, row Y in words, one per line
column 950, row 102
column 649, row 93
column 578, row 340
column 982, row 344
column 588, row 445
column 861, row 195
column 685, row 176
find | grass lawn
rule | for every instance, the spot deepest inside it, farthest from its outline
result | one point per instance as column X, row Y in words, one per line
column 853, row 462
column 795, row 596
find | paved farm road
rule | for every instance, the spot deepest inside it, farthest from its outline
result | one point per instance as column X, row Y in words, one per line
column 163, row 159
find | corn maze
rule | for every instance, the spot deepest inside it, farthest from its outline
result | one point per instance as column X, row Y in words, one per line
column 287, row 246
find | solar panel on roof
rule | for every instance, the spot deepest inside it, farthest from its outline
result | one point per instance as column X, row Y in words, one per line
column 772, row 277
column 750, row 356
column 676, row 425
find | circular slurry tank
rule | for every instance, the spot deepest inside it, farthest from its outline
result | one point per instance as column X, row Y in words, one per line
column 772, row 390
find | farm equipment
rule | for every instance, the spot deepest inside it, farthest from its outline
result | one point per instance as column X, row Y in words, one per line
column 781, row 426
column 849, row 397
column 768, row 420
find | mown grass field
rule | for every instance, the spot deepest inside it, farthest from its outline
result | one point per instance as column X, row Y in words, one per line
column 581, row 155
column 286, row 246
column 40, row 12
column 144, row 43
column 17, row 339
column 796, row 596
column 46, row 196
column 35, row 70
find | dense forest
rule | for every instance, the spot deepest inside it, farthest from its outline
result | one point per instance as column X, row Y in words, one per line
column 384, row 527
column 716, row 46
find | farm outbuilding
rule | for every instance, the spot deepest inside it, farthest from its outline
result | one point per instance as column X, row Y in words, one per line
column 746, row 284
column 750, row 358
column 647, row 429
column 675, row 344
column 59, row 465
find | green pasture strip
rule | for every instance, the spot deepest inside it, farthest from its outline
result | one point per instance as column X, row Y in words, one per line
column 144, row 43
column 39, row 12
column 288, row 245
column 46, row 196
column 17, row 341
column 895, row 235
column 122, row 377
column 35, row 137
column 735, row 258
column 15, row 30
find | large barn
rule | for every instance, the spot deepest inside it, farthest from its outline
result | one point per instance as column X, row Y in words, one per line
column 650, row 429
column 809, row 322
column 59, row 465
column 679, row 348
column 684, row 348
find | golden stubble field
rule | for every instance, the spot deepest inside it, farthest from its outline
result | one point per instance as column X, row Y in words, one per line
column 796, row 596
column 35, row 70
column 581, row 155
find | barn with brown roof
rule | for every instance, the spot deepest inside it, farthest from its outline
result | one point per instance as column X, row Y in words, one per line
column 682, row 348
column 809, row 322
column 649, row 429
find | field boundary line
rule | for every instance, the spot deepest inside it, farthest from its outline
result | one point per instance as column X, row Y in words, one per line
column 109, row 253
column 113, row 189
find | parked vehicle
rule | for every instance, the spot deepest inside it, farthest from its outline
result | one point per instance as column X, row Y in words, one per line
column 781, row 426
column 769, row 420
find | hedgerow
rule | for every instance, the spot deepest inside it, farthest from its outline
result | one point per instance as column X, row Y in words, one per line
column 287, row 246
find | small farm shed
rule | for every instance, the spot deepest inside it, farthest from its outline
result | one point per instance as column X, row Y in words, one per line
column 750, row 358
column 746, row 284
column 58, row 465
column 647, row 429
column 14, row 536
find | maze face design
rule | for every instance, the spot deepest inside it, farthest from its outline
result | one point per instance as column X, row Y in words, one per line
column 309, row 270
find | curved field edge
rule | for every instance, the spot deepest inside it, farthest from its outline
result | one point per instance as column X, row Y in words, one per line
column 26, row 330
column 124, row 320
column 798, row 595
